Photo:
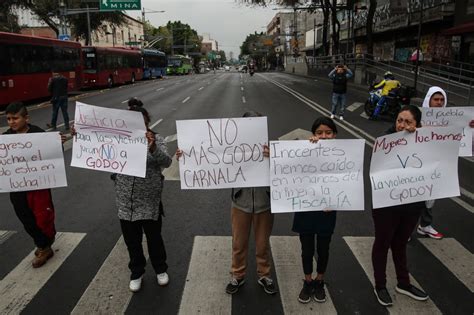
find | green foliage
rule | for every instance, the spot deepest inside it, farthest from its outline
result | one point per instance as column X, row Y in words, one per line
column 252, row 44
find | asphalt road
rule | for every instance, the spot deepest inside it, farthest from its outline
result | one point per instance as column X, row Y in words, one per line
column 290, row 102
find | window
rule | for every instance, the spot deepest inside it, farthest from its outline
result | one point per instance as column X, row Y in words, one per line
column 470, row 7
column 5, row 61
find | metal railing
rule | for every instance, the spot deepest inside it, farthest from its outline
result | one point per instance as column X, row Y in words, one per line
column 457, row 82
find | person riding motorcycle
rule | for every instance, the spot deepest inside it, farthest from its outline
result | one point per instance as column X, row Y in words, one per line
column 388, row 84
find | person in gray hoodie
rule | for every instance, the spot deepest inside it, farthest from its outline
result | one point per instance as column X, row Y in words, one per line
column 436, row 97
column 140, row 210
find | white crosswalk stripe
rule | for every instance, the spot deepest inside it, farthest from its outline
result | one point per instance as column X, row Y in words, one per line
column 361, row 247
column 364, row 115
column 5, row 235
column 19, row 287
column 108, row 294
column 287, row 259
column 354, row 106
column 207, row 275
column 455, row 257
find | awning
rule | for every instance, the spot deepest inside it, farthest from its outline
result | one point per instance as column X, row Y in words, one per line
column 460, row 29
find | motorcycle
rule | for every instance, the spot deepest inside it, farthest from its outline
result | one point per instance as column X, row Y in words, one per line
column 251, row 71
column 393, row 102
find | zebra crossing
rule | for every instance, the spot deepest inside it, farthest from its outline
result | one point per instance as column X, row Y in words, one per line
column 208, row 273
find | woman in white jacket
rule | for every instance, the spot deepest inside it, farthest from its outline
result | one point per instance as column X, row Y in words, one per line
column 436, row 97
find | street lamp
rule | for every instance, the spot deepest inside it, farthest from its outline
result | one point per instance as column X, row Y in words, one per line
column 144, row 20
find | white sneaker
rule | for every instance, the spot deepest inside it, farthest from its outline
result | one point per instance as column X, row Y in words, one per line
column 332, row 116
column 136, row 284
column 341, row 117
column 429, row 231
column 163, row 278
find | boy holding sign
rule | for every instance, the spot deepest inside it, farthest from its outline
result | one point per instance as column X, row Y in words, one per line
column 35, row 209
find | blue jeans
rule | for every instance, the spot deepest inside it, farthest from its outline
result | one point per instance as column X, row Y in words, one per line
column 60, row 103
column 338, row 100
column 380, row 105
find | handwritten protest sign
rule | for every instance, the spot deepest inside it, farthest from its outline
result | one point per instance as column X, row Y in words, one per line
column 109, row 140
column 459, row 117
column 410, row 167
column 223, row 153
column 306, row 176
column 31, row 161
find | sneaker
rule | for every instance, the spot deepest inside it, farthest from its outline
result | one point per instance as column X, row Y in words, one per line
column 163, row 279
column 332, row 116
column 341, row 117
column 267, row 285
column 306, row 292
column 412, row 292
column 44, row 254
column 319, row 292
column 135, row 284
column 383, row 297
column 234, row 285
column 429, row 231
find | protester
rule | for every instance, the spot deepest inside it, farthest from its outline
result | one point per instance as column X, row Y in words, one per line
column 312, row 223
column 250, row 206
column 134, row 102
column 416, row 58
column 339, row 76
column 436, row 97
column 140, row 210
column 58, row 86
column 393, row 227
column 35, row 208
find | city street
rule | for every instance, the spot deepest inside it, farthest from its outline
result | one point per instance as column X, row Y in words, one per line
column 89, row 273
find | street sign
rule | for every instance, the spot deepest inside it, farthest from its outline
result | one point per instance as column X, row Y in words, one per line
column 112, row 5
column 64, row 37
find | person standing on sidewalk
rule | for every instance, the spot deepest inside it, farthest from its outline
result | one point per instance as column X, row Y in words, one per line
column 436, row 97
column 319, row 224
column 339, row 77
column 58, row 86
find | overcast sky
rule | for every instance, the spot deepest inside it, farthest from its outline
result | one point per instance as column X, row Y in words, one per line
column 227, row 21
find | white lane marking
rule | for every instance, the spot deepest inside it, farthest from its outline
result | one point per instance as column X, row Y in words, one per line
column 108, row 292
column 21, row 285
column 361, row 247
column 364, row 115
column 202, row 87
column 172, row 172
column 467, row 193
column 207, row 274
column 241, row 88
column 244, row 100
column 5, row 235
column 171, row 138
column 156, row 123
column 59, row 126
column 286, row 251
column 354, row 106
column 160, row 89
column 463, row 204
column 454, row 256
column 186, row 99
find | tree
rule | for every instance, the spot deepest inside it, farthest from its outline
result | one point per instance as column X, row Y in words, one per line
column 369, row 26
column 8, row 21
column 222, row 54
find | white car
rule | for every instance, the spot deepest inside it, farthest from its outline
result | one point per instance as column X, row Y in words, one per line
column 227, row 68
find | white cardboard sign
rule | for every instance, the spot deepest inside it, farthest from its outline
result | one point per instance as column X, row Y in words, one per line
column 31, row 161
column 306, row 176
column 223, row 153
column 109, row 140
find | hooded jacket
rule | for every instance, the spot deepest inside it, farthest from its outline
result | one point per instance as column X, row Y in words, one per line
column 431, row 91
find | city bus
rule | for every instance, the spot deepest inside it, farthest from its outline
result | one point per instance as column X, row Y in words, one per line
column 27, row 63
column 106, row 66
column 179, row 64
column 154, row 63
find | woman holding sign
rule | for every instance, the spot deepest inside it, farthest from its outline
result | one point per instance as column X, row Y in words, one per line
column 140, row 210
column 312, row 223
column 393, row 227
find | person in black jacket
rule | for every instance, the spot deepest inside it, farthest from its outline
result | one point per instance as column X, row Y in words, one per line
column 339, row 77
column 316, row 223
column 57, row 86
column 393, row 227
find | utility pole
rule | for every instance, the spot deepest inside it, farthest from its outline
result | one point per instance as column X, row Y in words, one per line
column 89, row 25
column 314, row 39
column 418, row 46
column 172, row 40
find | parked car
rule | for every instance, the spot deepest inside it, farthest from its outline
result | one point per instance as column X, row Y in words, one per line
column 227, row 68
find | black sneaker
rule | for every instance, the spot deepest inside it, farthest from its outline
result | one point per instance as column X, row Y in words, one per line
column 319, row 293
column 306, row 292
column 412, row 292
column 383, row 297
column 234, row 285
column 268, row 285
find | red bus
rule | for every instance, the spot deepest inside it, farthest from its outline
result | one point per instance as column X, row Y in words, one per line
column 105, row 66
column 27, row 62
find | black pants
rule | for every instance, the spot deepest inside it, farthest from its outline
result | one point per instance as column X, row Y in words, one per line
column 26, row 216
column 307, row 252
column 133, row 234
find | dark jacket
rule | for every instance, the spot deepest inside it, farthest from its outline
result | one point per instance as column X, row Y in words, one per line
column 314, row 222
column 57, row 86
column 339, row 81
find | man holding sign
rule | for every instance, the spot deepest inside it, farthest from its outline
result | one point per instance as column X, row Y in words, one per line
column 34, row 208
column 406, row 170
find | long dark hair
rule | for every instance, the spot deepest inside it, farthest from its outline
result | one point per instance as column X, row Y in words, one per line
column 415, row 111
column 323, row 121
